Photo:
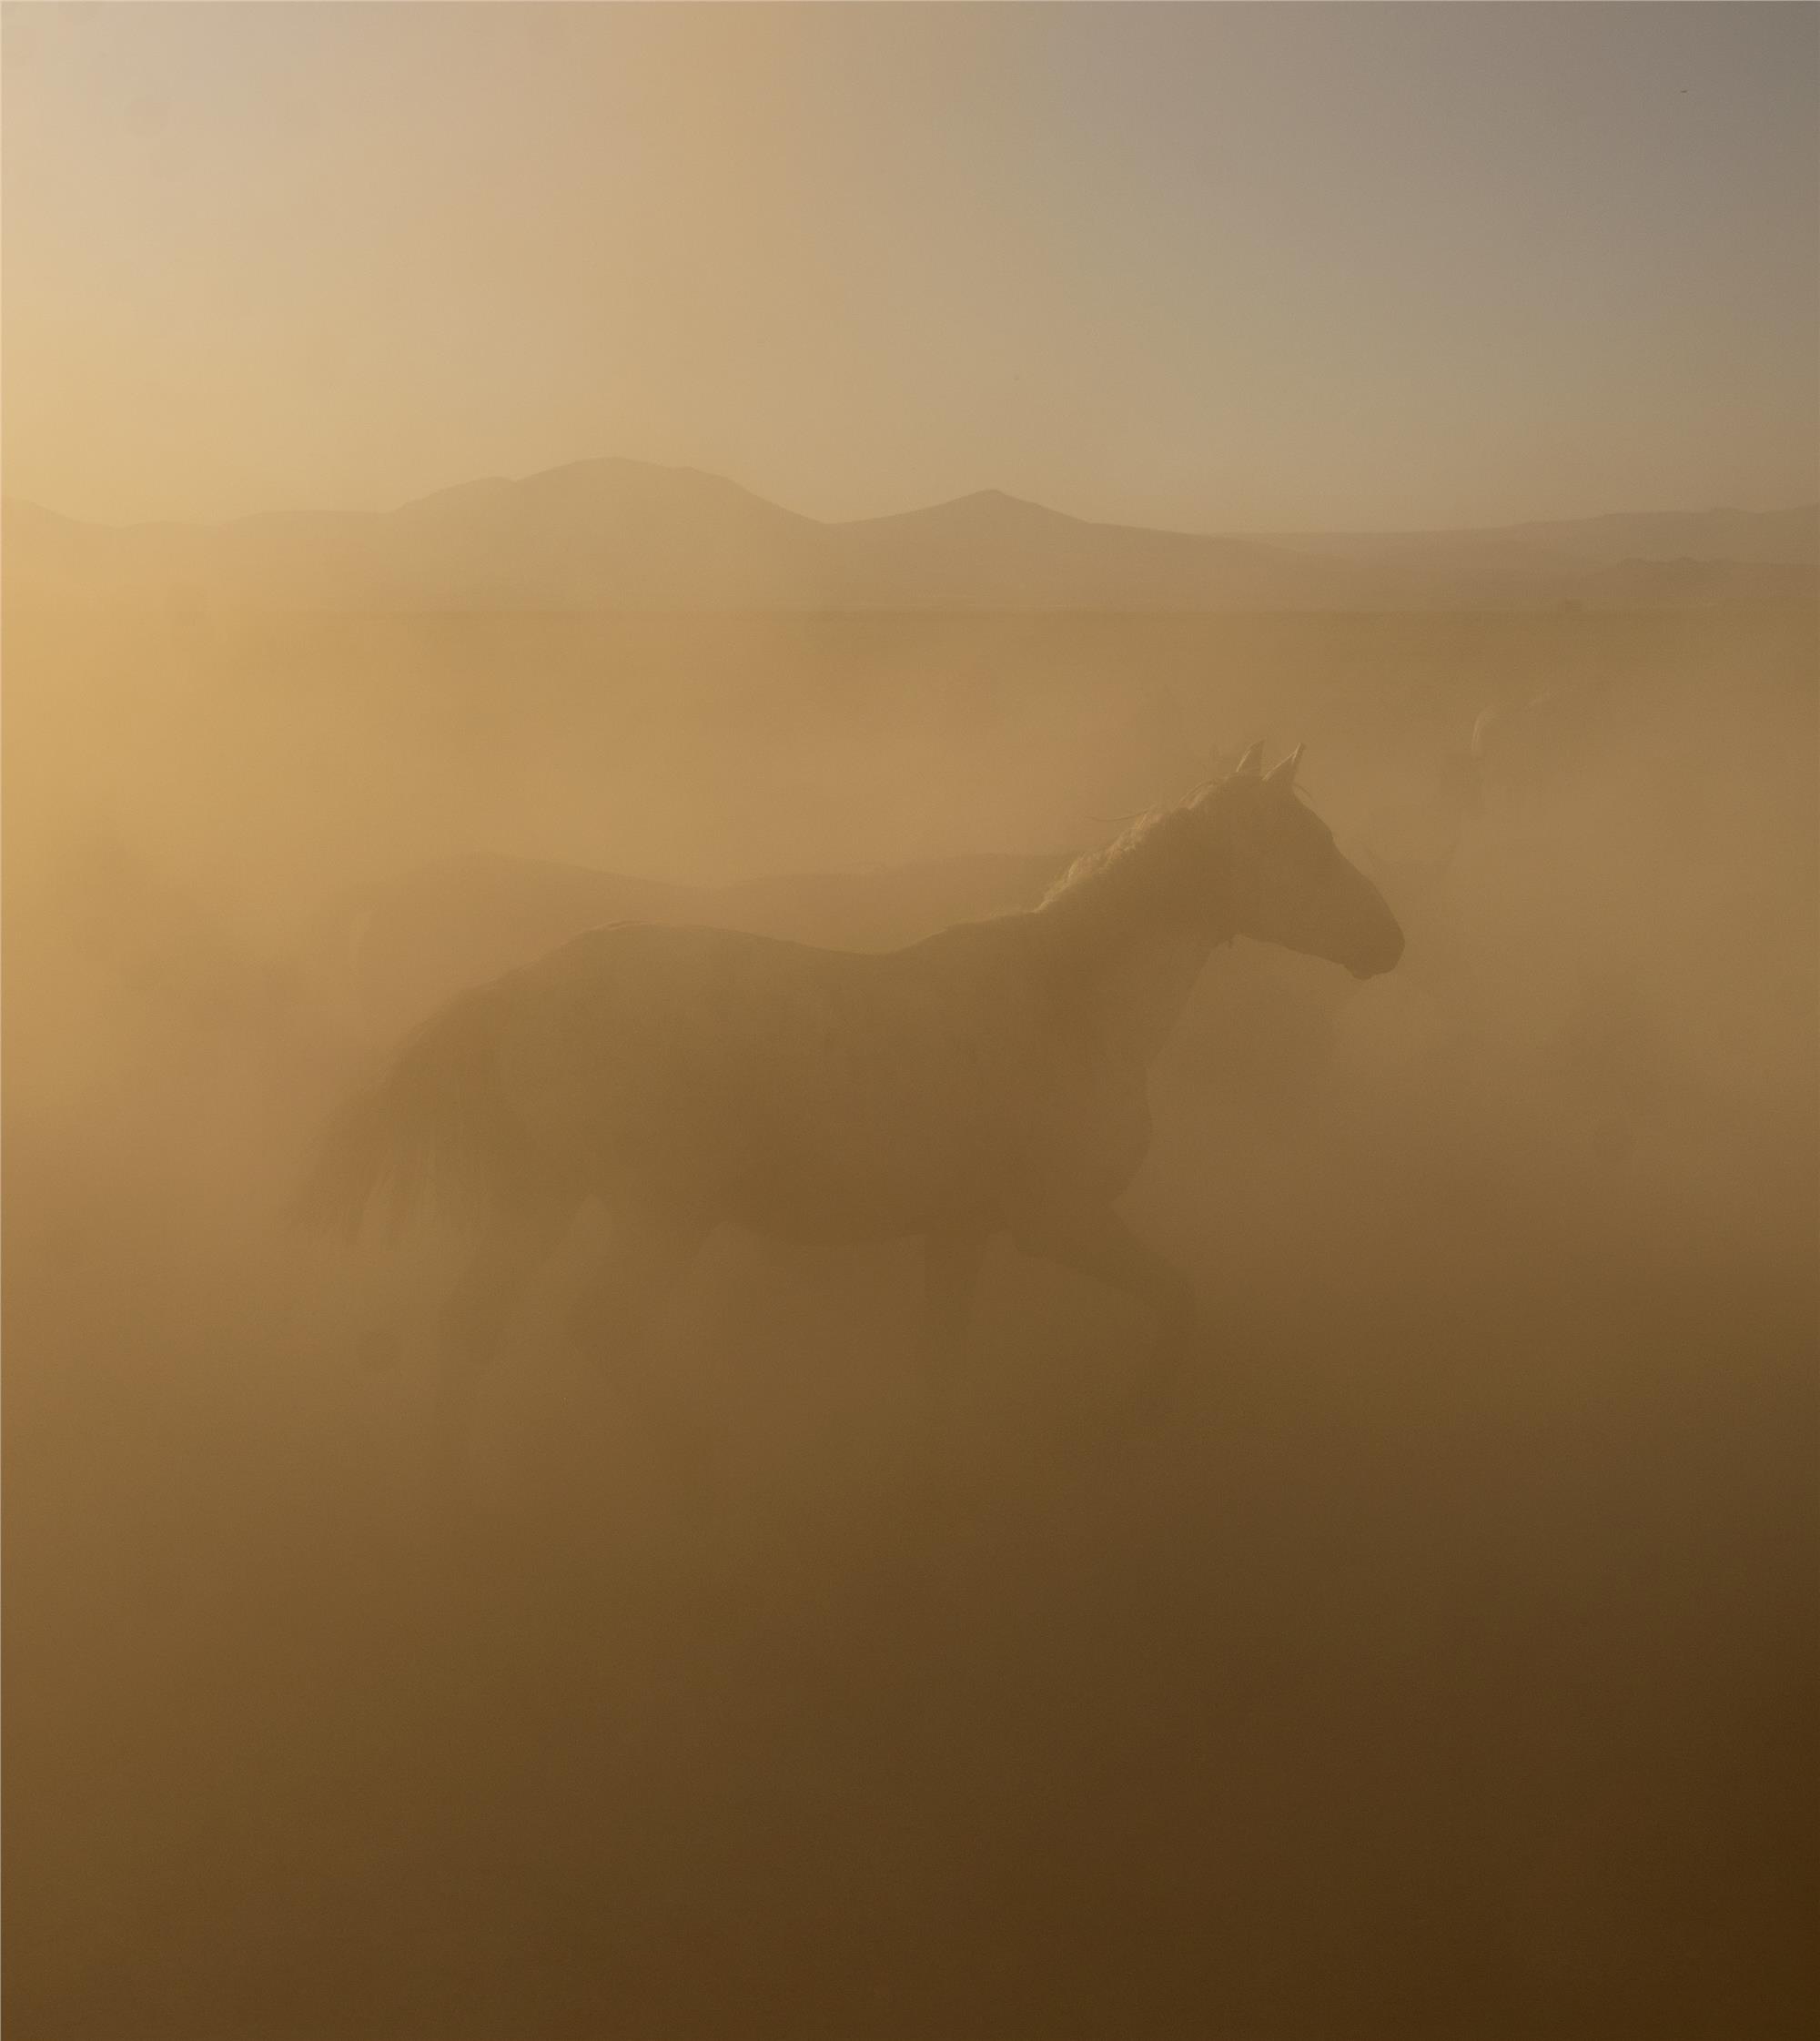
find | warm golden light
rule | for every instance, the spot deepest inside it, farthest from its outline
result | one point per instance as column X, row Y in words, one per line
column 1064, row 1273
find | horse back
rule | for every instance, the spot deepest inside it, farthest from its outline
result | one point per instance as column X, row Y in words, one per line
column 815, row 1091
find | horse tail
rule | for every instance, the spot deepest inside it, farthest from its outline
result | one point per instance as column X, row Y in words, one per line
column 431, row 1128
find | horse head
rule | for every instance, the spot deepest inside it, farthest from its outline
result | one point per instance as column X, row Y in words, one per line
column 1290, row 882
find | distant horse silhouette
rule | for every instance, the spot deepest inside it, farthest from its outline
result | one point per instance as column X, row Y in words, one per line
column 989, row 1079
column 1523, row 751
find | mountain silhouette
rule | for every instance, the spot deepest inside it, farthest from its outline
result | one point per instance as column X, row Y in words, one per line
column 614, row 534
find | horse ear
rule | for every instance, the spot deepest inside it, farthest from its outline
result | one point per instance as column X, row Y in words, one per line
column 1252, row 764
column 1282, row 776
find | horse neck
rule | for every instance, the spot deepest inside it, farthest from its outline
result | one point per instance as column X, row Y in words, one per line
column 1128, row 941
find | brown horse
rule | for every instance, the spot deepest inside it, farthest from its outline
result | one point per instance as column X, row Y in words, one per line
column 990, row 1079
column 392, row 952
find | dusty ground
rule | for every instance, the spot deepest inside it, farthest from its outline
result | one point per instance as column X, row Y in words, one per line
column 1447, row 1666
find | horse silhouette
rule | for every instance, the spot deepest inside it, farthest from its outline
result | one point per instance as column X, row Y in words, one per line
column 394, row 951
column 989, row 1079
column 389, row 952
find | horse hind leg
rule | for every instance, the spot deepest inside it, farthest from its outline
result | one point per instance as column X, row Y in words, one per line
column 514, row 1244
column 621, row 1311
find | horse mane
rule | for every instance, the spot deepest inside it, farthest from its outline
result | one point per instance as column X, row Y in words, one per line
column 1096, row 868
column 1142, row 841
column 1163, row 857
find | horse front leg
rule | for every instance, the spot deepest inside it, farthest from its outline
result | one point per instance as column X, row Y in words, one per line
column 951, row 1266
column 1099, row 1244
column 621, row 1311
column 512, row 1246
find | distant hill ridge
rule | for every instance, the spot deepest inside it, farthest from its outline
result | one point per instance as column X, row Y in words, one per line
column 616, row 534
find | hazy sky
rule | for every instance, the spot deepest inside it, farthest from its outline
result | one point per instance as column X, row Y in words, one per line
column 1221, row 267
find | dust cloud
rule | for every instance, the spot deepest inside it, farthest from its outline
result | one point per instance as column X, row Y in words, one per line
column 1446, row 1666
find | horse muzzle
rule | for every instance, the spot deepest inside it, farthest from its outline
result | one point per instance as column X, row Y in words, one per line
column 1384, row 954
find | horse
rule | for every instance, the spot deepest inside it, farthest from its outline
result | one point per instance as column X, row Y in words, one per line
column 389, row 952
column 987, row 1080
column 393, row 952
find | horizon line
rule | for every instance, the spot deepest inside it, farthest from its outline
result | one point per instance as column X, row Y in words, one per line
column 915, row 510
